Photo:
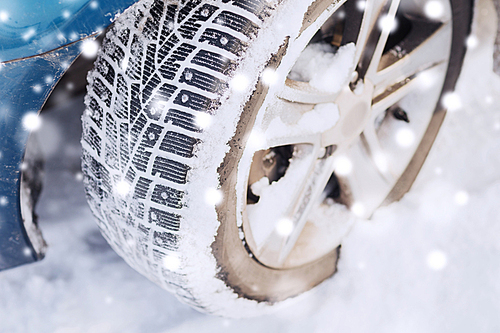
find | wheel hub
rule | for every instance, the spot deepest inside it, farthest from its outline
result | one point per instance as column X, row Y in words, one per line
column 355, row 111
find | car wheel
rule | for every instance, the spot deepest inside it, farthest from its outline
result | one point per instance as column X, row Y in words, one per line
column 229, row 145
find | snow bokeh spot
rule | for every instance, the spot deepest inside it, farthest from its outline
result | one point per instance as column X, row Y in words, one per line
column 213, row 196
column 361, row 5
column 27, row 251
column 452, row 101
column 461, row 198
column 203, row 120
column 343, row 166
column 4, row 16
column 79, row 176
column 37, row 88
column 388, row 23
column 358, row 209
column 4, row 201
column 472, row 42
column 66, row 14
column 269, row 76
column 405, row 137
column 240, row 82
column 89, row 48
column 256, row 140
column 434, row 9
column 49, row 79
column 437, row 260
column 284, row 227
column 94, row 4
column 426, row 80
column 122, row 188
column 29, row 34
column 31, row 121
column 171, row 262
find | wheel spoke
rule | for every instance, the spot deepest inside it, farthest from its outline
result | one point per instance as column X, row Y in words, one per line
column 421, row 31
column 371, row 141
column 286, row 123
column 366, row 186
column 304, row 93
column 407, row 66
column 403, row 76
column 375, row 28
column 391, row 95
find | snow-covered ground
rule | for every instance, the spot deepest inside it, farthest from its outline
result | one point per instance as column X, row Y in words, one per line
column 429, row 263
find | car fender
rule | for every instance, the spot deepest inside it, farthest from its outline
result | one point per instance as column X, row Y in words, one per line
column 38, row 42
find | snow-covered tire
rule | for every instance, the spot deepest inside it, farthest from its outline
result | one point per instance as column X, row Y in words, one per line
column 171, row 103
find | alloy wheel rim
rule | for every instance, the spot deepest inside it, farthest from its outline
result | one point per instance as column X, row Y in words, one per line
column 364, row 142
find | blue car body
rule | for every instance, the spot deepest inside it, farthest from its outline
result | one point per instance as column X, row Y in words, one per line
column 38, row 41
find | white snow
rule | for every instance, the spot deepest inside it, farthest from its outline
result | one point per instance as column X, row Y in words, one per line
column 269, row 76
column 122, row 188
column 4, row 16
column 324, row 67
column 424, row 264
column 321, row 118
column 358, row 209
column 89, row 48
column 343, row 165
column 171, row 262
column 270, row 212
column 284, row 227
column 31, row 121
column 434, row 9
column 361, row 5
column 452, row 101
column 29, row 34
column 240, row 83
column 213, row 196
column 388, row 23
column 37, row 88
column 437, row 260
column 405, row 137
